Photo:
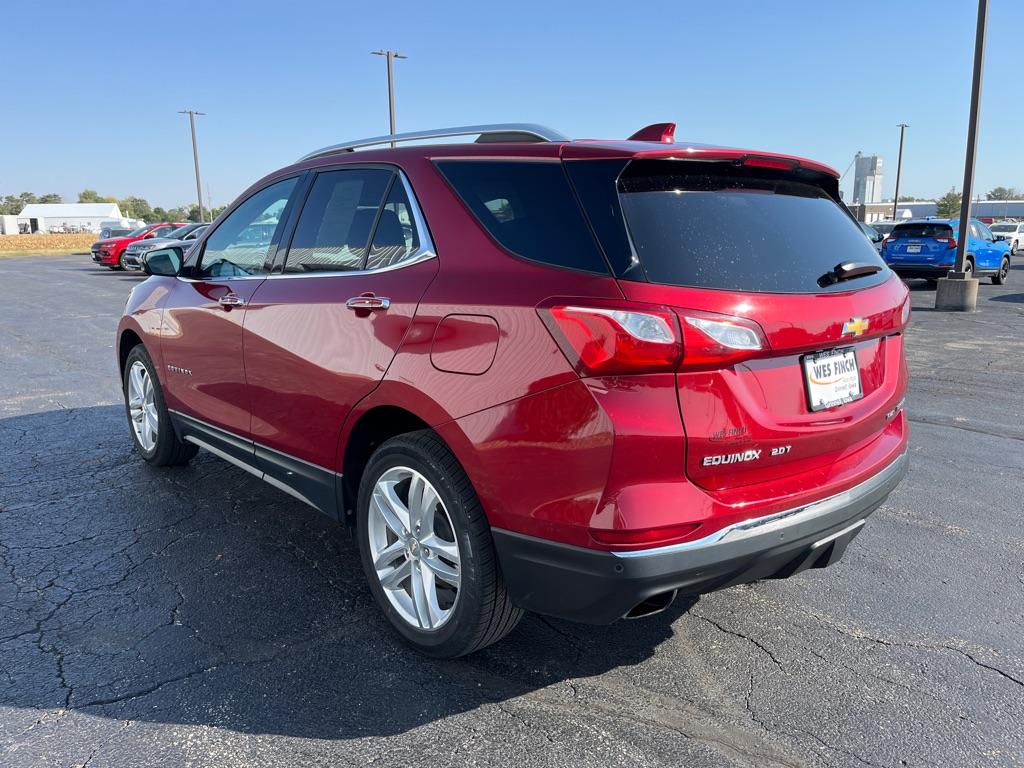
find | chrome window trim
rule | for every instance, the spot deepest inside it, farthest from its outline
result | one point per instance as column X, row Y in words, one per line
column 424, row 253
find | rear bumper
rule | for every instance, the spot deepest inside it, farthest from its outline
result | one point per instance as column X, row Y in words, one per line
column 599, row 587
column 921, row 271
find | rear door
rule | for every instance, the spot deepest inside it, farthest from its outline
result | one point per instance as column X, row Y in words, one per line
column 325, row 327
column 790, row 361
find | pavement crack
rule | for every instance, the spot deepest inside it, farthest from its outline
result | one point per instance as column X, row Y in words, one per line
column 740, row 635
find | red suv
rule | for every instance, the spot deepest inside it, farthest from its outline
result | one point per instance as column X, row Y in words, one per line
column 109, row 252
column 569, row 377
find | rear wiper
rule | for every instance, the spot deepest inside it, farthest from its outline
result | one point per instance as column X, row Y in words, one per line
column 848, row 270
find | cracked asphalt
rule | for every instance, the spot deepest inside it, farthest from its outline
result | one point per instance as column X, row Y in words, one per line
column 198, row 617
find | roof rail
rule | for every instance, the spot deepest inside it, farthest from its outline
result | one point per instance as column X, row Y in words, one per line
column 511, row 132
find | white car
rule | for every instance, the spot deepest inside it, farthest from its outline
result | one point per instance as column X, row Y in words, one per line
column 1012, row 232
column 135, row 252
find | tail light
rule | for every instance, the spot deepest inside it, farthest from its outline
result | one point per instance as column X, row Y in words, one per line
column 949, row 241
column 603, row 341
column 644, row 537
column 885, row 243
column 716, row 340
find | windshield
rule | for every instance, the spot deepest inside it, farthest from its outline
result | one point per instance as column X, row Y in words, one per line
column 740, row 231
column 923, row 230
column 1003, row 227
column 137, row 232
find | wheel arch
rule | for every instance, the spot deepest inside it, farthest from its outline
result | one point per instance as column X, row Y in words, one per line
column 372, row 428
column 128, row 340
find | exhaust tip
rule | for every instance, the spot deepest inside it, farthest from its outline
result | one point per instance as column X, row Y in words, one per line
column 652, row 605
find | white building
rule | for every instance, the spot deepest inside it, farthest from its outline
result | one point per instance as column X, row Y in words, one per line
column 73, row 217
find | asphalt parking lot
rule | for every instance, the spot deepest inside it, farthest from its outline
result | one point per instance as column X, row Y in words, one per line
column 199, row 617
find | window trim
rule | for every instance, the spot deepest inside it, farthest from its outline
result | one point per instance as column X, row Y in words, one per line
column 198, row 250
column 425, row 252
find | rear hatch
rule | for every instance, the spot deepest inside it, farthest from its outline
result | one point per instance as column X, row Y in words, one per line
column 790, row 322
column 920, row 243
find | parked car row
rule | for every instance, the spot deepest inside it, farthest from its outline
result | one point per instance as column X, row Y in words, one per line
column 522, row 372
column 135, row 253
column 110, row 251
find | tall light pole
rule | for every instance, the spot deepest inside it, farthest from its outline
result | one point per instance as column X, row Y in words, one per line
column 391, row 84
column 195, row 156
column 899, row 168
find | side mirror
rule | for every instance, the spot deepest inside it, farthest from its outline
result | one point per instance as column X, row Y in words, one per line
column 1000, row 238
column 879, row 237
column 165, row 262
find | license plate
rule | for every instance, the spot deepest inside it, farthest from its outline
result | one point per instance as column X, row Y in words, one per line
column 832, row 378
column 913, row 249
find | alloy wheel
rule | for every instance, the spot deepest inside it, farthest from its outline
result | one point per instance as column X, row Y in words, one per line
column 142, row 406
column 414, row 549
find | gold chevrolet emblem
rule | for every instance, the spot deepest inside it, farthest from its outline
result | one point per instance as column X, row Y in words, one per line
column 855, row 327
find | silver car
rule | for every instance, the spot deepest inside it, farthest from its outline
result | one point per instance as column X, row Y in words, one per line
column 184, row 236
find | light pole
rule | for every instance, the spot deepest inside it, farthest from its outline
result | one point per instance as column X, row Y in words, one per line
column 391, row 84
column 899, row 168
column 195, row 156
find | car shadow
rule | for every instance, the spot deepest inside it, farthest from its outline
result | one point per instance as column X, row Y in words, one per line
column 201, row 595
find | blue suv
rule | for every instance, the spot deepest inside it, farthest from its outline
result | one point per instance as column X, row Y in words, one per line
column 926, row 248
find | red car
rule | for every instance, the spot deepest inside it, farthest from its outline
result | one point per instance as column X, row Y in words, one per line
column 108, row 253
column 569, row 377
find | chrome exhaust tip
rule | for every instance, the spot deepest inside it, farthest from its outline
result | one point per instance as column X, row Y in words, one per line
column 652, row 605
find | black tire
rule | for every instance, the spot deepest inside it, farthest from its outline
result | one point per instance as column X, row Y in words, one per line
column 471, row 614
column 151, row 428
column 969, row 267
column 1000, row 277
column 120, row 260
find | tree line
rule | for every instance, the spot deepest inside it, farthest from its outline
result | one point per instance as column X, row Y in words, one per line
column 130, row 207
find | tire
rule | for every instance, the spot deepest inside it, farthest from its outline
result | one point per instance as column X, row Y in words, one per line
column 120, row 260
column 969, row 267
column 152, row 431
column 431, row 564
column 1000, row 277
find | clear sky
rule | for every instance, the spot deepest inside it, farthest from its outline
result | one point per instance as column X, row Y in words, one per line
column 91, row 91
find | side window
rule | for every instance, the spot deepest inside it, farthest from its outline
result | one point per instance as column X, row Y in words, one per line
column 529, row 208
column 240, row 244
column 986, row 233
column 334, row 228
column 395, row 237
column 974, row 230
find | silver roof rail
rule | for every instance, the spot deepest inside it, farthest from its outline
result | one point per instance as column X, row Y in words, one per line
column 511, row 132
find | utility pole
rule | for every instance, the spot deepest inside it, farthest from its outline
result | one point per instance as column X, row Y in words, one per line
column 195, row 156
column 391, row 84
column 899, row 168
column 958, row 292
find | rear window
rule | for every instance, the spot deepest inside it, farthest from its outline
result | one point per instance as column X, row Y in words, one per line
column 529, row 208
column 1003, row 227
column 739, row 231
column 917, row 231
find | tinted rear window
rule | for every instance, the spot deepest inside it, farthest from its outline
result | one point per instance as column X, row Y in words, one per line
column 740, row 232
column 928, row 229
column 529, row 208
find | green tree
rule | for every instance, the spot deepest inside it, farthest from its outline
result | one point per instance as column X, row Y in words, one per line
column 1003, row 193
column 89, row 196
column 159, row 214
column 53, row 197
column 948, row 206
column 11, row 206
column 910, row 199
column 136, row 208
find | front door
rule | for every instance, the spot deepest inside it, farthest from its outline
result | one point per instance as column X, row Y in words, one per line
column 201, row 337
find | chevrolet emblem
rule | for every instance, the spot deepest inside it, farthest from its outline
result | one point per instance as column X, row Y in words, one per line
column 856, row 326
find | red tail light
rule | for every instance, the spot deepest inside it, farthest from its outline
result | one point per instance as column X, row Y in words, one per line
column 949, row 241
column 775, row 163
column 885, row 243
column 603, row 341
column 717, row 340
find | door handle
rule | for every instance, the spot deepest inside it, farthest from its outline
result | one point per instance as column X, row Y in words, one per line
column 368, row 302
column 231, row 300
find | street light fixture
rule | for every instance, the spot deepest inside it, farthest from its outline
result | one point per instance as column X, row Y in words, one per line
column 391, row 84
column 195, row 156
column 899, row 168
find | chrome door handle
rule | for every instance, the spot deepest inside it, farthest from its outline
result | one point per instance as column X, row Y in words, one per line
column 368, row 302
column 231, row 300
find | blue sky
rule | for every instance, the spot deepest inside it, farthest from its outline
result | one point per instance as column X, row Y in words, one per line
column 92, row 90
